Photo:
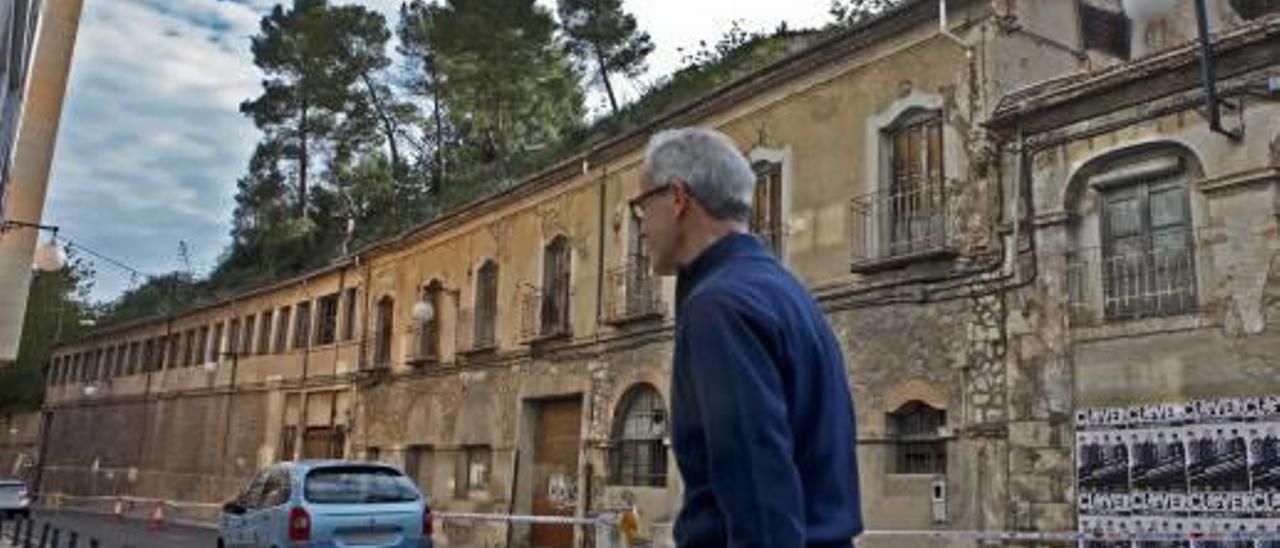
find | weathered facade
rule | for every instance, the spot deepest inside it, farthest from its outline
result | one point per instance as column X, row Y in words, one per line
column 514, row 356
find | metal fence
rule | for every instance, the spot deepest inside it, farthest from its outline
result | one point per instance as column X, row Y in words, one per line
column 1131, row 285
column 633, row 292
column 906, row 221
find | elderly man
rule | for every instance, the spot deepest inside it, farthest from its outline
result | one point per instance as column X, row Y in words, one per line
column 762, row 419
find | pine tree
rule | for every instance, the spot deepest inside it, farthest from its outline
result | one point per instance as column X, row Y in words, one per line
column 849, row 12
column 508, row 87
column 601, row 34
column 319, row 63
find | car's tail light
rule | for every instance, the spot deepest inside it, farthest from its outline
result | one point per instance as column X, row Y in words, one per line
column 299, row 524
column 428, row 524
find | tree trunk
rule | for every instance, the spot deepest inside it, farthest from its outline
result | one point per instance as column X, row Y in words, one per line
column 388, row 126
column 303, row 153
column 438, row 170
column 604, row 76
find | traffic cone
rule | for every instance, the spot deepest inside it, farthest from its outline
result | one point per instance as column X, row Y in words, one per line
column 118, row 510
column 156, row 522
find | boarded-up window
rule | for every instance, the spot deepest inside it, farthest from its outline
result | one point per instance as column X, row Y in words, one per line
column 302, row 326
column 202, row 345
column 385, row 332
column 474, row 465
column 215, row 344
column 418, row 462
column 486, row 305
column 327, row 319
column 175, row 344
column 349, row 316
column 1105, row 30
column 188, row 347
column 282, row 329
column 264, row 332
column 246, row 337
column 919, row 447
column 135, row 358
column 638, row 454
column 233, row 337
column 555, row 296
column 766, row 211
column 429, row 326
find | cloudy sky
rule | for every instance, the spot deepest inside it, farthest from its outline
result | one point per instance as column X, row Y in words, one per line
column 152, row 142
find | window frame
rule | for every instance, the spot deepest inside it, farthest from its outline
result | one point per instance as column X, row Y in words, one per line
column 626, row 467
column 913, row 440
column 326, row 307
column 302, row 325
column 1140, row 190
column 485, row 334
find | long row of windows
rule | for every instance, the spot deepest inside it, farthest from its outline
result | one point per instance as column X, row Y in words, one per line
column 254, row 334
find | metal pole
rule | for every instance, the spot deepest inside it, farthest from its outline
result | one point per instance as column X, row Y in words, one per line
column 1209, row 72
column 73, row 540
column 26, row 540
column 44, row 535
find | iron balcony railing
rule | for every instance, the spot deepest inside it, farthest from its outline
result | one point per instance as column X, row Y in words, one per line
column 906, row 222
column 1128, row 286
column 633, row 292
column 545, row 313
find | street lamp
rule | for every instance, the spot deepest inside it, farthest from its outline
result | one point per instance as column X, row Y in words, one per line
column 48, row 257
column 424, row 311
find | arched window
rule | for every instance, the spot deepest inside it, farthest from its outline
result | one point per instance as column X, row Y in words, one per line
column 486, row 320
column 386, row 321
column 429, row 326
column 766, row 206
column 919, row 446
column 555, row 295
column 639, row 455
column 1135, row 257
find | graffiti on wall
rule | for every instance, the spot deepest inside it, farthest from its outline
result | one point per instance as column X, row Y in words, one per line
column 1186, row 474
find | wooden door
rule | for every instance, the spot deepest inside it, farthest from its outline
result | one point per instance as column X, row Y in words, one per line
column 555, row 469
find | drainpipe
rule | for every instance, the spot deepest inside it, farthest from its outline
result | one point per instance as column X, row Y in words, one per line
column 1208, row 71
column 944, row 29
column 600, row 262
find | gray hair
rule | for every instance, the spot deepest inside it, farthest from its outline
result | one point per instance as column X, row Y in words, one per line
column 710, row 165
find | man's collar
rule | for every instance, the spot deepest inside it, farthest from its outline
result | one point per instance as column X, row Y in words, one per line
column 728, row 246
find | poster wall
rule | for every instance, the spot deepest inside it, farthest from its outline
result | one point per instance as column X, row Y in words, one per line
column 1181, row 475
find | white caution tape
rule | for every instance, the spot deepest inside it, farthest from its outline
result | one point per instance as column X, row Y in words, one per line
column 1069, row 536
column 510, row 518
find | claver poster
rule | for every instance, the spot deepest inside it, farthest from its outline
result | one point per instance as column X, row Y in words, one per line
column 1180, row 475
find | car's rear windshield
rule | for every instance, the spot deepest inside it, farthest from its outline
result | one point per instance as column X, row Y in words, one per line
column 358, row 484
column 8, row 486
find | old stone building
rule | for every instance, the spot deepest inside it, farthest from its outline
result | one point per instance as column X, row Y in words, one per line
column 937, row 182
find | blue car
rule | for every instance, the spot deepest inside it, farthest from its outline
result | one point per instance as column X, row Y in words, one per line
column 327, row 504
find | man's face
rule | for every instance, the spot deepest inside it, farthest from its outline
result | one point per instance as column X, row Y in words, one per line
column 657, row 208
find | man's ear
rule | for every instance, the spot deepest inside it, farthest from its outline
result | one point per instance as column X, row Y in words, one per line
column 681, row 200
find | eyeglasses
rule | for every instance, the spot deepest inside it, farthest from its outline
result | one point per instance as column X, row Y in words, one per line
column 637, row 203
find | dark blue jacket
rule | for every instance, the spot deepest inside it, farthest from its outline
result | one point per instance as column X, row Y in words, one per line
column 761, row 415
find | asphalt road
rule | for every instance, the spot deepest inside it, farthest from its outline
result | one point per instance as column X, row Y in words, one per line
column 113, row 533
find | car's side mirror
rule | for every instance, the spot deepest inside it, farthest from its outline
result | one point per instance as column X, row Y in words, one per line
column 233, row 508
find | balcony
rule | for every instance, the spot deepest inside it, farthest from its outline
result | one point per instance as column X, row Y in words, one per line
column 545, row 314
column 1130, row 286
column 633, row 293
column 474, row 336
column 891, row 228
